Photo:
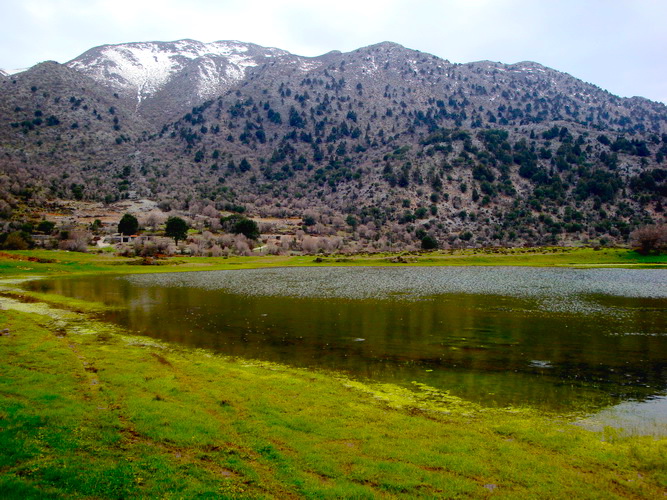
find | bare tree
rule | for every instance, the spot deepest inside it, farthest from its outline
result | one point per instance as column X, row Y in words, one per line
column 210, row 211
column 650, row 239
column 310, row 244
column 153, row 220
column 215, row 225
column 266, row 227
column 226, row 240
column 195, row 208
column 76, row 242
column 241, row 245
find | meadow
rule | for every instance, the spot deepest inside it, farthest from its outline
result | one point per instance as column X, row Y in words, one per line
column 88, row 410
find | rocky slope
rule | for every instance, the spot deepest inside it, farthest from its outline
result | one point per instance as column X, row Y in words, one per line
column 404, row 142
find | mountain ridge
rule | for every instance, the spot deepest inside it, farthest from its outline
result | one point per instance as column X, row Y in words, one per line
column 77, row 61
column 398, row 138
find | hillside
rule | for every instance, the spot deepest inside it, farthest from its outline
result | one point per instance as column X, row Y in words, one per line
column 386, row 142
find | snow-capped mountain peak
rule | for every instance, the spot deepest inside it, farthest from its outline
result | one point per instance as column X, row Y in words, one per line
column 143, row 70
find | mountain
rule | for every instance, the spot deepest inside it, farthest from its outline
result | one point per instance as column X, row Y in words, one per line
column 55, row 123
column 164, row 78
column 402, row 141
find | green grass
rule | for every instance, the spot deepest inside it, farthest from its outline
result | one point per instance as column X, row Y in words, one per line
column 59, row 262
column 88, row 411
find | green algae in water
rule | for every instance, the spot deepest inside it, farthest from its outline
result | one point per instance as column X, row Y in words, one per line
column 557, row 339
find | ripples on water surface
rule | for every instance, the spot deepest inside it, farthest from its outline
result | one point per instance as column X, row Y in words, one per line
column 554, row 338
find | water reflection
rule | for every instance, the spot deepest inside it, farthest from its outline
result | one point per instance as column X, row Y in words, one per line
column 559, row 339
column 632, row 418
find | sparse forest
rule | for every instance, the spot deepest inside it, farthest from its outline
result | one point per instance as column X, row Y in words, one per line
column 418, row 152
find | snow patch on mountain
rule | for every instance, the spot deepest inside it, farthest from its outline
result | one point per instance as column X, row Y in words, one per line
column 208, row 79
column 10, row 72
column 238, row 65
column 146, row 68
column 306, row 66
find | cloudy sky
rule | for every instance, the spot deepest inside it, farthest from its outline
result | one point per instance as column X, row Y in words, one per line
column 619, row 45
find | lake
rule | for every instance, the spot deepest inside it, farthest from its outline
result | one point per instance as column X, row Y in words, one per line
column 554, row 338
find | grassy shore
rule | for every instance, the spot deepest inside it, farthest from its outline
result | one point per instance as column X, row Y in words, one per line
column 50, row 262
column 87, row 410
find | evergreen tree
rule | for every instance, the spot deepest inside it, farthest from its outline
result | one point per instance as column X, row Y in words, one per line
column 176, row 228
column 128, row 225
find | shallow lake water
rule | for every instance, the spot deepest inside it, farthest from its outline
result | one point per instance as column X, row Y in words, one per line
column 557, row 339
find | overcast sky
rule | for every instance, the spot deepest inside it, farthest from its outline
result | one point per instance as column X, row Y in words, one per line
column 619, row 45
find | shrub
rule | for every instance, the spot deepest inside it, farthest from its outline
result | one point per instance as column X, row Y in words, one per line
column 238, row 224
column 46, row 227
column 248, row 228
column 16, row 241
column 650, row 239
column 429, row 242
